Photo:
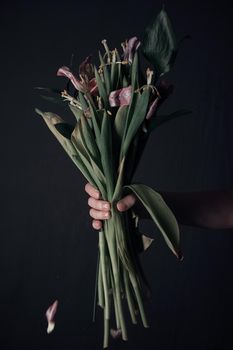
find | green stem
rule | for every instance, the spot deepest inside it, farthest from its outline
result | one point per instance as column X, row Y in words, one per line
column 115, row 303
column 116, row 276
column 100, row 288
column 102, row 245
column 129, row 297
column 137, row 291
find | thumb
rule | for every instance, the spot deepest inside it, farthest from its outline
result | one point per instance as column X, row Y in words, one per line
column 126, row 203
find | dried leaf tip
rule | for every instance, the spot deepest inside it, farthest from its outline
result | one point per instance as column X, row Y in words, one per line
column 50, row 315
column 149, row 75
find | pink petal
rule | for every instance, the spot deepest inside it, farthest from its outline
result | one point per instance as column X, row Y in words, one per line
column 152, row 108
column 120, row 97
column 92, row 86
column 65, row 72
column 50, row 315
column 115, row 333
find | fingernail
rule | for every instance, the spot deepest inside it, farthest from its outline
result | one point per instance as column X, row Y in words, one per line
column 106, row 206
column 106, row 215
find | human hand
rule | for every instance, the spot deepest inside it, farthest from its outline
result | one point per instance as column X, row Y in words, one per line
column 101, row 210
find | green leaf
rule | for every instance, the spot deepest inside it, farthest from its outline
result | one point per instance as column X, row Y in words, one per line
column 64, row 129
column 82, row 101
column 159, row 44
column 120, row 122
column 53, row 122
column 106, row 153
column 56, row 100
column 76, row 111
column 119, row 78
column 95, row 119
column 114, row 75
column 107, row 80
column 137, row 118
column 101, row 88
column 50, row 90
column 89, row 140
column 134, row 72
column 160, row 214
column 161, row 119
column 77, row 139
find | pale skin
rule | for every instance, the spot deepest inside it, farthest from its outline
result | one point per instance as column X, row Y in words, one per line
column 205, row 209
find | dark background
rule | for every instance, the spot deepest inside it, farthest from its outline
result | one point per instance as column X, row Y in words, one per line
column 48, row 249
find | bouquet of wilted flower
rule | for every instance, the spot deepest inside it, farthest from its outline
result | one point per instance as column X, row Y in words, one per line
column 115, row 106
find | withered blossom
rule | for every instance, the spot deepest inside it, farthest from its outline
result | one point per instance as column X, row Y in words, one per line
column 81, row 84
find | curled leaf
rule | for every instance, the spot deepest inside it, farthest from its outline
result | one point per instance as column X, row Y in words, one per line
column 159, row 44
column 161, row 214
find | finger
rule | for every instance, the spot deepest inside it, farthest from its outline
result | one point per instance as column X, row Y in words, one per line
column 99, row 215
column 92, row 191
column 126, row 203
column 98, row 204
column 96, row 224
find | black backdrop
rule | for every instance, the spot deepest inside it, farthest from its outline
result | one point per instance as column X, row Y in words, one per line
column 48, row 249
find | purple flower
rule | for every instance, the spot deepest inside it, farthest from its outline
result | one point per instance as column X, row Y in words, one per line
column 153, row 107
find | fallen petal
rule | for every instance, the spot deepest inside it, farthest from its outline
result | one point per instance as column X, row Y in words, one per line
column 50, row 315
column 115, row 333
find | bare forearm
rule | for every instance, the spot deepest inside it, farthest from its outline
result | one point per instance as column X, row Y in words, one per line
column 207, row 209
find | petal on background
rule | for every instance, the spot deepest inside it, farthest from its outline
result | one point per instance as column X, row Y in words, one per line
column 65, row 72
column 115, row 333
column 50, row 315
